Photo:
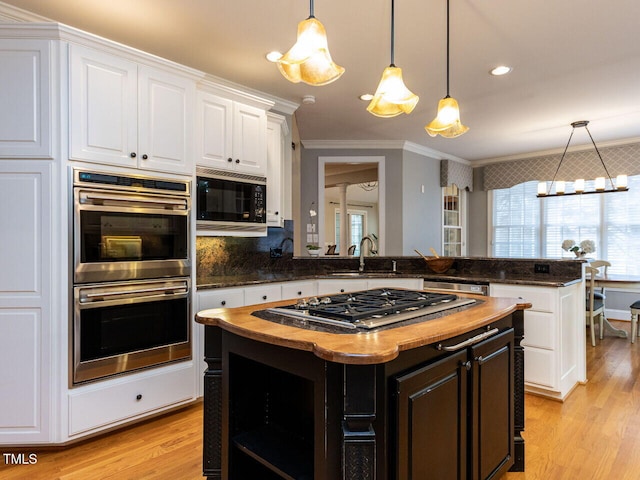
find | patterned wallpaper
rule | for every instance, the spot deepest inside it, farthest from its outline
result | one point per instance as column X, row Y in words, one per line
column 455, row 172
column 584, row 164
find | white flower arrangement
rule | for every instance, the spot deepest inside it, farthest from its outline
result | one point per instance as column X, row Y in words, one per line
column 581, row 249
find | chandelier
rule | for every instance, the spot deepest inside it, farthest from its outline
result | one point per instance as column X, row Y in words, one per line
column 601, row 185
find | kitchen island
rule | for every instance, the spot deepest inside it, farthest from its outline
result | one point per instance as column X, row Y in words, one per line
column 402, row 402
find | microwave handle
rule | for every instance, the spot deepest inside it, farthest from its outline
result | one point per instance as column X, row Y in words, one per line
column 90, row 197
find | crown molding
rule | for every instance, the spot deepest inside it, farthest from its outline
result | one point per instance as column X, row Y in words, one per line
column 381, row 145
column 555, row 151
column 10, row 13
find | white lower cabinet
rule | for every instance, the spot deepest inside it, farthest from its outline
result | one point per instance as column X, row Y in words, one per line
column 554, row 337
column 105, row 404
column 29, row 286
column 220, row 298
column 332, row 286
column 410, row 283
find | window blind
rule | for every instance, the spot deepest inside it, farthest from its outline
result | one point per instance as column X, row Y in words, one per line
column 525, row 226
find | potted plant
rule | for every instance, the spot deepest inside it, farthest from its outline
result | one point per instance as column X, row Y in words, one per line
column 579, row 250
column 313, row 250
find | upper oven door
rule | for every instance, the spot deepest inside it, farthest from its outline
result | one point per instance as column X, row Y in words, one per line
column 127, row 236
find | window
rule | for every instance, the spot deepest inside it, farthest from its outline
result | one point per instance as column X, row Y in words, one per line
column 357, row 223
column 529, row 227
column 452, row 221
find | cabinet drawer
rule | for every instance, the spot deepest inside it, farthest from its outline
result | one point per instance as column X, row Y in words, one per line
column 215, row 298
column 111, row 402
column 539, row 330
column 539, row 367
column 262, row 294
column 299, row 290
column 541, row 299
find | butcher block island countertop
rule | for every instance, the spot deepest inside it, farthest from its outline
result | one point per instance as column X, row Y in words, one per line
column 439, row 398
column 362, row 348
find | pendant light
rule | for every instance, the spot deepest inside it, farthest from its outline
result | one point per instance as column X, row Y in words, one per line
column 309, row 60
column 600, row 182
column 447, row 122
column 392, row 97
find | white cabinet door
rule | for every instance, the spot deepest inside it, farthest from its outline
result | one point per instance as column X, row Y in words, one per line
column 165, row 121
column 129, row 115
column 275, row 160
column 103, row 96
column 214, row 131
column 410, row 283
column 27, row 217
column 249, row 139
column 25, row 115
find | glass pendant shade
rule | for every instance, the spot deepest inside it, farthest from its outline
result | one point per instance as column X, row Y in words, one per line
column 309, row 60
column 392, row 97
column 447, row 122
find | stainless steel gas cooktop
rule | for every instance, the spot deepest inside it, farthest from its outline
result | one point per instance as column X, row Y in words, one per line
column 366, row 310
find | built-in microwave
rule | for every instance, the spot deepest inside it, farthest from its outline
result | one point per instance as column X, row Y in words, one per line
column 230, row 203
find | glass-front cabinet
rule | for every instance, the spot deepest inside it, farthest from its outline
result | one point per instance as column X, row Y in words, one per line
column 453, row 235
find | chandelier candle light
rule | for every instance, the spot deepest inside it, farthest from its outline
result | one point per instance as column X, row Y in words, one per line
column 392, row 97
column 309, row 60
column 579, row 185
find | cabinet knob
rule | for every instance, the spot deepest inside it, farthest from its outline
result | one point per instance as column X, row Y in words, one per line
column 237, row 160
column 342, row 290
column 223, row 302
column 277, row 213
column 299, row 293
column 144, row 157
column 139, row 397
column 132, row 154
column 466, row 365
column 264, row 297
column 229, row 159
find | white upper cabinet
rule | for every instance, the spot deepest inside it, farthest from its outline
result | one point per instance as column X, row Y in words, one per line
column 275, row 170
column 126, row 114
column 25, row 92
column 231, row 135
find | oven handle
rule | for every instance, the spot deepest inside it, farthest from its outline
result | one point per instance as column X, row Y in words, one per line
column 91, row 197
column 142, row 290
column 468, row 342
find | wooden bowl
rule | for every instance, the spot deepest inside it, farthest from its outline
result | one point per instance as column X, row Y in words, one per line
column 439, row 264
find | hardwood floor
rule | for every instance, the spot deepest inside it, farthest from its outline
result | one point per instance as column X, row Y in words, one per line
column 594, row 434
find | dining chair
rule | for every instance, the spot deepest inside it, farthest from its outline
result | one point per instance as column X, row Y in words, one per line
column 595, row 303
column 352, row 250
column 635, row 311
column 331, row 250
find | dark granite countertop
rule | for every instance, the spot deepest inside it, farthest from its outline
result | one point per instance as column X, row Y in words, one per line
column 205, row 282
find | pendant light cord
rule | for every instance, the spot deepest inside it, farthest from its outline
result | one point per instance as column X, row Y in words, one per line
column 392, row 33
column 447, row 49
column 311, row 12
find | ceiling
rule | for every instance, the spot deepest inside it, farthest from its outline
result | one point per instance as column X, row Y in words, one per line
column 572, row 60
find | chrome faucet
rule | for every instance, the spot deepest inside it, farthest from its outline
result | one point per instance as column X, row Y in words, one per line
column 373, row 250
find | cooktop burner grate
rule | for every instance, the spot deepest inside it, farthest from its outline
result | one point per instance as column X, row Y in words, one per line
column 368, row 309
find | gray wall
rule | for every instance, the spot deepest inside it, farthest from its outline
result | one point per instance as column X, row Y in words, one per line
column 422, row 212
column 477, row 217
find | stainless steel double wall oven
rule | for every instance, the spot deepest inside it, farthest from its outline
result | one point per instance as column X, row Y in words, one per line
column 131, row 274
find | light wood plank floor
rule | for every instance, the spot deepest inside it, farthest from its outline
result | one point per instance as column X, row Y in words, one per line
column 595, row 434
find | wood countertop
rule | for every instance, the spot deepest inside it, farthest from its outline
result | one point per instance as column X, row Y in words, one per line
column 364, row 348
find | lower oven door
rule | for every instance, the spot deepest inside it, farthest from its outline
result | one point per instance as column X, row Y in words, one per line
column 119, row 327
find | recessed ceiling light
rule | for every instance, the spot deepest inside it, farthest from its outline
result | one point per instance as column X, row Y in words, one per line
column 500, row 70
column 274, row 56
column 367, row 97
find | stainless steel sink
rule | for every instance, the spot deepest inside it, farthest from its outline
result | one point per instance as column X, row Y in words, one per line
column 363, row 274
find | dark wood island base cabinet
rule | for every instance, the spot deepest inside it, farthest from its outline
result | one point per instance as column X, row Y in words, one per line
column 439, row 411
